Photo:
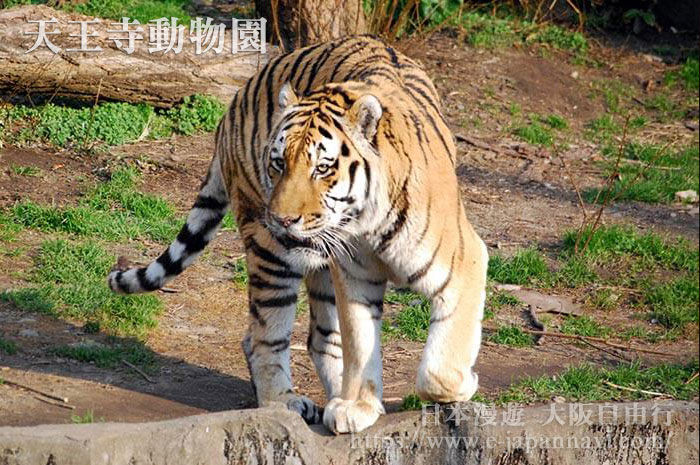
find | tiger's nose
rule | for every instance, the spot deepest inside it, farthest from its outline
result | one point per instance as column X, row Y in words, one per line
column 287, row 221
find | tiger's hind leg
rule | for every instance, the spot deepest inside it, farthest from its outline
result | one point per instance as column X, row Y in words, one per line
column 273, row 284
column 324, row 344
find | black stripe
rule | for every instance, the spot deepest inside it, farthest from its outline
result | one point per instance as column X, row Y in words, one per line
column 258, row 282
column 271, row 99
column 300, row 57
column 325, row 332
column 354, row 49
column 368, row 175
column 209, row 202
column 144, row 282
column 324, row 132
column 424, row 269
column 171, row 267
column 254, row 312
column 263, row 253
column 284, row 273
column 275, row 302
column 323, row 352
column 320, row 297
column 196, row 242
column 399, row 221
column 447, row 280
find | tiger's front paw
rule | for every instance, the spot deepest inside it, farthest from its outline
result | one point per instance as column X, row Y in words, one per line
column 351, row 416
column 303, row 406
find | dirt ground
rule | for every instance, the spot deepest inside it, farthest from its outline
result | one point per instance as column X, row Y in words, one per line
column 514, row 197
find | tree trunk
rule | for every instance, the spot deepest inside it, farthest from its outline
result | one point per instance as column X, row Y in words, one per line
column 297, row 23
column 160, row 79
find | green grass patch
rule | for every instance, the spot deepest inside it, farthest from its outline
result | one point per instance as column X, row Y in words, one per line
column 527, row 266
column 496, row 300
column 412, row 402
column 141, row 10
column 575, row 272
column 584, row 326
column 19, row 170
column 688, row 75
column 608, row 242
column 240, row 272
column 69, row 282
column 87, row 418
column 674, row 304
column 511, row 336
column 413, row 320
column 108, row 356
column 586, row 383
column 112, row 210
column 110, row 123
column 646, row 175
column 614, row 93
column 7, row 347
column 8, row 229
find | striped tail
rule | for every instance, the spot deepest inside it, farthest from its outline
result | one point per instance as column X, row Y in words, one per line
column 201, row 226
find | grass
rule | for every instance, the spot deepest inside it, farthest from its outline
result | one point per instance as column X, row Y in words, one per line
column 7, row 347
column 141, row 10
column 87, row 418
column 586, row 383
column 240, row 272
column 584, row 326
column 412, row 402
column 413, row 321
column 688, row 75
column 496, row 300
column 540, row 129
column 674, row 304
column 104, row 356
column 648, row 175
column 31, row 171
column 527, row 266
column 511, row 336
column 68, row 281
column 607, row 243
column 112, row 210
column 8, row 229
column 110, row 123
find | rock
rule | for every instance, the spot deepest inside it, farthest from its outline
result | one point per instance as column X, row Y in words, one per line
column 28, row 333
column 559, row 399
column 574, row 75
column 689, row 196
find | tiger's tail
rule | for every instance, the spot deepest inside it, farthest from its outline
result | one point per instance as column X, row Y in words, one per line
column 202, row 223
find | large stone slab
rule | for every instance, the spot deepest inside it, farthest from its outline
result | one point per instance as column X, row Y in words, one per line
column 576, row 434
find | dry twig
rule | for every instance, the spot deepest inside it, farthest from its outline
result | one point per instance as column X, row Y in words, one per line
column 36, row 391
column 629, row 389
column 139, row 371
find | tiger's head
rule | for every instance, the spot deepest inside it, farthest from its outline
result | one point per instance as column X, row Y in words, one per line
column 317, row 169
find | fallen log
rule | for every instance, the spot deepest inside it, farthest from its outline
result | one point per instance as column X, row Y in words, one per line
column 158, row 78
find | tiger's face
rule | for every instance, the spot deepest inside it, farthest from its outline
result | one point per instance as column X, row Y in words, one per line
column 318, row 172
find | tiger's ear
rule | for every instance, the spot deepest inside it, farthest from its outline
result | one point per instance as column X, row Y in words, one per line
column 287, row 96
column 365, row 115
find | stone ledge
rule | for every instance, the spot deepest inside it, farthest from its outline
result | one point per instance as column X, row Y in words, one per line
column 668, row 435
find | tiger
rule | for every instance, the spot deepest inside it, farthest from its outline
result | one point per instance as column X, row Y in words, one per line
column 339, row 167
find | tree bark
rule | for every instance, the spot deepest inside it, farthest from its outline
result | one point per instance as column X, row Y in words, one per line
column 297, row 23
column 160, row 79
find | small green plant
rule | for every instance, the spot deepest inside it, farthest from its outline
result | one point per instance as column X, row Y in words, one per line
column 31, row 171
column 8, row 347
column 688, row 75
column 109, row 357
column 412, row 402
column 535, row 133
column 584, row 326
column 527, row 266
column 87, row 418
column 240, row 272
column 511, row 336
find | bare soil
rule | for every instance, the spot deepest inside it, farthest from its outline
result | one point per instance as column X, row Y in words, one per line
column 514, row 197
